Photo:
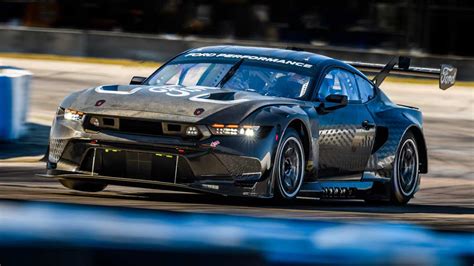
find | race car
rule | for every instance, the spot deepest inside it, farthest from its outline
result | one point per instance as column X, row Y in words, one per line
column 247, row 121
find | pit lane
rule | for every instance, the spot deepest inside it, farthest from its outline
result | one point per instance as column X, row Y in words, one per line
column 445, row 201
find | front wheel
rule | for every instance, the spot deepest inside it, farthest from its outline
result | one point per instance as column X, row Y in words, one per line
column 406, row 171
column 86, row 186
column 288, row 170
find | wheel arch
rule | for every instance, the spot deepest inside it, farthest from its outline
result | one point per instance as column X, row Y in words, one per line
column 300, row 127
column 421, row 145
column 283, row 117
column 302, row 130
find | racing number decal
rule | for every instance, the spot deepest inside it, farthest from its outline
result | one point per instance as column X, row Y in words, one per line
column 170, row 91
column 179, row 91
column 175, row 91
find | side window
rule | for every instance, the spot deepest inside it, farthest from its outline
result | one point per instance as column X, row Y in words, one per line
column 367, row 91
column 339, row 81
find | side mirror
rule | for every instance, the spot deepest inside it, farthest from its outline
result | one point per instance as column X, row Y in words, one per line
column 137, row 80
column 333, row 102
column 337, row 98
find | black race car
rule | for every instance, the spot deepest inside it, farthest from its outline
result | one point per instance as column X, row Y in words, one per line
column 247, row 121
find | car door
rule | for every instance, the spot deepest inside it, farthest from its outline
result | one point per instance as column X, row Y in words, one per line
column 346, row 134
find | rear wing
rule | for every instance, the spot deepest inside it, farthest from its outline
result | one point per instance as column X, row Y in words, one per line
column 446, row 74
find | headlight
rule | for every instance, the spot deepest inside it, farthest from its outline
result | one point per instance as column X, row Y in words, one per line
column 192, row 131
column 73, row 115
column 234, row 130
column 95, row 121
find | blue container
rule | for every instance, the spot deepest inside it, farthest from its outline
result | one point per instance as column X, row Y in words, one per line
column 14, row 102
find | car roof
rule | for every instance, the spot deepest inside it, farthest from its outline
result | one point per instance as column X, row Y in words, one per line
column 318, row 61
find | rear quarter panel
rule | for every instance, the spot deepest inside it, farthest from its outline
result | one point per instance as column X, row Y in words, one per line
column 395, row 120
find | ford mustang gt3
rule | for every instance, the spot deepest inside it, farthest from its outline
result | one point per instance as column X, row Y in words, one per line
column 247, row 121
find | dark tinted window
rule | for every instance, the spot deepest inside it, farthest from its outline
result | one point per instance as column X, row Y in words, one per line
column 366, row 89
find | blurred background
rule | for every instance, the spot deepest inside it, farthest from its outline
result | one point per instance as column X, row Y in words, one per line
column 429, row 26
column 424, row 29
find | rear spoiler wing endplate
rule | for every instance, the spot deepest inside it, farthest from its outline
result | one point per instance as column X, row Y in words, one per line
column 446, row 74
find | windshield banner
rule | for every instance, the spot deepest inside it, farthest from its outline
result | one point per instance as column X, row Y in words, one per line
column 250, row 57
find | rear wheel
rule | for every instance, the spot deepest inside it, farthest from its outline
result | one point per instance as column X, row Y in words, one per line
column 86, row 186
column 406, row 171
column 288, row 170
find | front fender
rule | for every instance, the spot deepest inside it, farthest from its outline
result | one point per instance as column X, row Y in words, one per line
column 281, row 117
column 70, row 99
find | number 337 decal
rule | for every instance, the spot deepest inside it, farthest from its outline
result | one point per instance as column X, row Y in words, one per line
column 174, row 91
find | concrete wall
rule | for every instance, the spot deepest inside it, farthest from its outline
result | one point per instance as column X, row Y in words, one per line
column 162, row 47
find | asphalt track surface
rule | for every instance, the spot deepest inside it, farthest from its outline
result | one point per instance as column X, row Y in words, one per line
column 445, row 201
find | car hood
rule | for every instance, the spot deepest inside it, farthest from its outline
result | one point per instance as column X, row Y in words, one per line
column 174, row 103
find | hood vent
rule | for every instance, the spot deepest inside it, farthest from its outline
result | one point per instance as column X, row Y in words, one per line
column 221, row 96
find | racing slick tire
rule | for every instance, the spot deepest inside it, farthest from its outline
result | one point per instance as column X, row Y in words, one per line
column 288, row 171
column 86, row 186
column 405, row 172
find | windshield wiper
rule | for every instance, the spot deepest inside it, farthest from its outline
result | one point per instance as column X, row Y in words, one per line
column 230, row 73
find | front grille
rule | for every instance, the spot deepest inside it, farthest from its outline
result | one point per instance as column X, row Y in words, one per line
column 155, row 166
column 126, row 125
column 56, row 148
column 140, row 126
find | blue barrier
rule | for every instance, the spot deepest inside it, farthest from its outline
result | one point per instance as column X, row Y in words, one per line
column 14, row 101
column 95, row 232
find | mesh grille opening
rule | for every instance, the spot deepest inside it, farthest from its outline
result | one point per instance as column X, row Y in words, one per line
column 56, row 148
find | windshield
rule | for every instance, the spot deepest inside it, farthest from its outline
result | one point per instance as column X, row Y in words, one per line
column 248, row 77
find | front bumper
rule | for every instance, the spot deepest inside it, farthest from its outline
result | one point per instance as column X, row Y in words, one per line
column 228, row 165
